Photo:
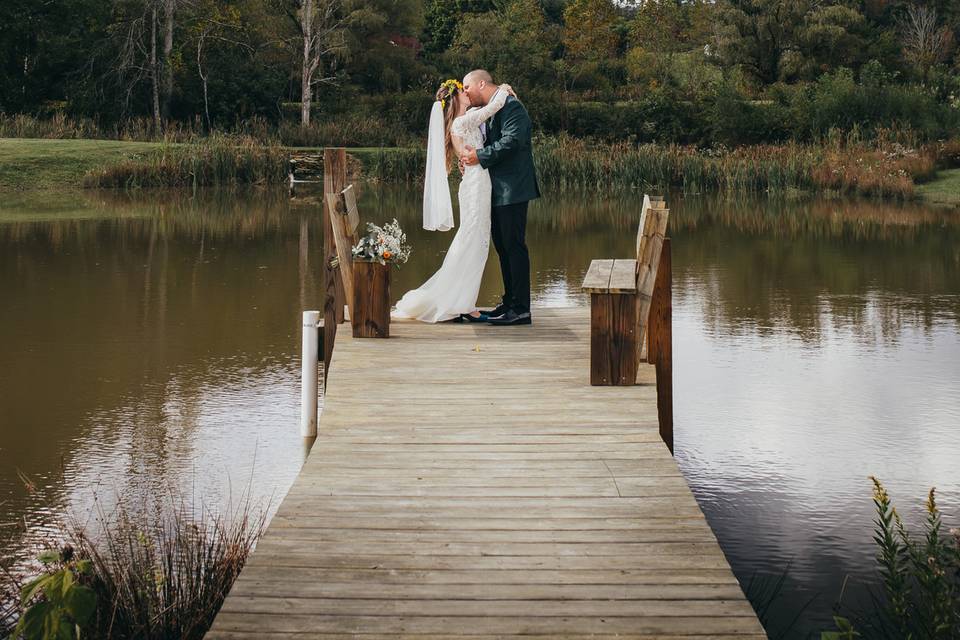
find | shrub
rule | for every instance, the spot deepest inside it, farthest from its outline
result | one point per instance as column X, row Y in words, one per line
column 734, row 121
column 837, row 101
column 55, row 604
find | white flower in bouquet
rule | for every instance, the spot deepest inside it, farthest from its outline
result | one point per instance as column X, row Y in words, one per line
column 383, row 244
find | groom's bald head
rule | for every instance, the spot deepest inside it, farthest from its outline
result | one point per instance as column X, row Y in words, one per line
column 479, row 75
column 478, row 86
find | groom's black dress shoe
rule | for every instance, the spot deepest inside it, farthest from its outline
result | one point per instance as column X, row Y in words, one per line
column 496, row 313
column 511, row 317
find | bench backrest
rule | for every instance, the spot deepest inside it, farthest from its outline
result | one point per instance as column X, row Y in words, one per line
column 344, row 219
column 649, row 202
column 650, row 235
column 353, row 214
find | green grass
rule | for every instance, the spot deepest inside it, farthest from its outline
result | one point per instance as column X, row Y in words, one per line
column 944, row 189
column 32, row 164
column 51, row 164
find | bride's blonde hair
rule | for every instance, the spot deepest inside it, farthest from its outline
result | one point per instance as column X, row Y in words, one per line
column 446, row 95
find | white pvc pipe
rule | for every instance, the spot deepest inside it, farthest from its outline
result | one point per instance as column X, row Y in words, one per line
column 309, row 376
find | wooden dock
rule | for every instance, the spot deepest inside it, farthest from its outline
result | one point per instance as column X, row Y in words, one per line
column 468, row 482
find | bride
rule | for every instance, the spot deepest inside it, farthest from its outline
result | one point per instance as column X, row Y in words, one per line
column 451, row 293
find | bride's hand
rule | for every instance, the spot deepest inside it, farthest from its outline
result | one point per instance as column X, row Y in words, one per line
column 509, row 90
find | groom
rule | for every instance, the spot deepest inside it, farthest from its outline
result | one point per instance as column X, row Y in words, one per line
column 507, row 154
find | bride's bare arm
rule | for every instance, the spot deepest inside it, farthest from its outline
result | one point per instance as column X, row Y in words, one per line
column 474, row 117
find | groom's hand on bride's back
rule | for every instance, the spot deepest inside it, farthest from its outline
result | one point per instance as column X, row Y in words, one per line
column 469, row 156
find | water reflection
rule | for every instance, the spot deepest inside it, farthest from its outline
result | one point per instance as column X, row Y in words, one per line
column 152, row 341
column 150, row 346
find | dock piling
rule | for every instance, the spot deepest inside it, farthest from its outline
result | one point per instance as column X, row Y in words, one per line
column 309, row 376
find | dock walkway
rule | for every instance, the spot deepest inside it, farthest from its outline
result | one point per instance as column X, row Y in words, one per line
column 468, row 481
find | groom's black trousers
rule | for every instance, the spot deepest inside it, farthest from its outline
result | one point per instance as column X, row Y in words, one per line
column 508, row 226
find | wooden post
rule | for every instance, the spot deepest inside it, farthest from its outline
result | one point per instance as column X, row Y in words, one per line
column 371, row 302
column 660, row 345
column 334, row 181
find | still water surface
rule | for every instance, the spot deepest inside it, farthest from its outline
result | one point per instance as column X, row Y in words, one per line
column 151, row 342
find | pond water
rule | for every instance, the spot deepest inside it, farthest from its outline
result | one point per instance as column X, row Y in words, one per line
column 151, row 345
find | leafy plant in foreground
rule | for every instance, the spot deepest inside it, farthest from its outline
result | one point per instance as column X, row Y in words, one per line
column 56, row 605
column 920, row 578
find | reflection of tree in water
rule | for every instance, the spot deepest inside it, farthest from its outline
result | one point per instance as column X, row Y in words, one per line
column 751, row 264
column 820, row 266
column 237, row 215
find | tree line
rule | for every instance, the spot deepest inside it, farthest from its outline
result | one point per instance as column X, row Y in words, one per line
column 644, row 69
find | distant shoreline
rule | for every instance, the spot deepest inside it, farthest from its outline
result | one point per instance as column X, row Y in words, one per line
column 31, row 164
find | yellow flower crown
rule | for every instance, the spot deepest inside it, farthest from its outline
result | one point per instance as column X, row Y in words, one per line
column 452, row 86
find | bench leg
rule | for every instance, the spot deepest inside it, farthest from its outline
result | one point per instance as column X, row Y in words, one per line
column 614, row 345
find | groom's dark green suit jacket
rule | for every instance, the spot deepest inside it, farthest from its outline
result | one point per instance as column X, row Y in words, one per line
column 508, row 155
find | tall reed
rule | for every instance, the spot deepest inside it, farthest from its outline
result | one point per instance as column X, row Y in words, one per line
column 392, row 165
column 886, row 171
column 159, row 571
column 213, row 161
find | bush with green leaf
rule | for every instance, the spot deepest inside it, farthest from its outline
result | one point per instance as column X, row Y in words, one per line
column 56, row 604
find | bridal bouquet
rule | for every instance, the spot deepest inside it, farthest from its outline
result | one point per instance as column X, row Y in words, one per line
column 383, row 244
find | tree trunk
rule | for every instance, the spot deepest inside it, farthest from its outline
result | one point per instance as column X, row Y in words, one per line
column 168, row 9
column 154, row 70
column 306, row 28
column 203, row 80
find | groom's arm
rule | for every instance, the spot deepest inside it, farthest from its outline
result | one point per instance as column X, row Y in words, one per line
column 514, row 135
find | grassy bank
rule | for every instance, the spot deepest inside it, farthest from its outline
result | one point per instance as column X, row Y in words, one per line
column 887, row 170
column 27, row 164
column 942, row 190
column 44, row 164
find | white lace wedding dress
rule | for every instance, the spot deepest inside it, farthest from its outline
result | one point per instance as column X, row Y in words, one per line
column 454, row 288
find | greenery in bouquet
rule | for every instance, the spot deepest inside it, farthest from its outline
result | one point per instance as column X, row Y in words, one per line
column 383, row 244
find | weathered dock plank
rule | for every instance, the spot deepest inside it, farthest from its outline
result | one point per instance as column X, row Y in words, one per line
column 468, row 482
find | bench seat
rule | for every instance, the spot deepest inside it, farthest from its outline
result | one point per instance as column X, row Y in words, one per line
column 611, row 276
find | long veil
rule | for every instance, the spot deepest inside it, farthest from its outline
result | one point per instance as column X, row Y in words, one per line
column 437, row 207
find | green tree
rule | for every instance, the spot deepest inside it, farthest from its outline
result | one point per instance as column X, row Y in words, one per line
column 441, row 19
column 662, row 29
column 785, row 40
column 43, row 56
column 382, row 42
column 591, row 43
column 514, row 42
column 440, row 25
column 589, row 32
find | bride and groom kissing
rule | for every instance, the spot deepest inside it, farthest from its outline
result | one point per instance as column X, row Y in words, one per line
column 485, row 129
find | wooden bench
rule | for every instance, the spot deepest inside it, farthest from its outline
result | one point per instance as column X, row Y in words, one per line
column 621, row 296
